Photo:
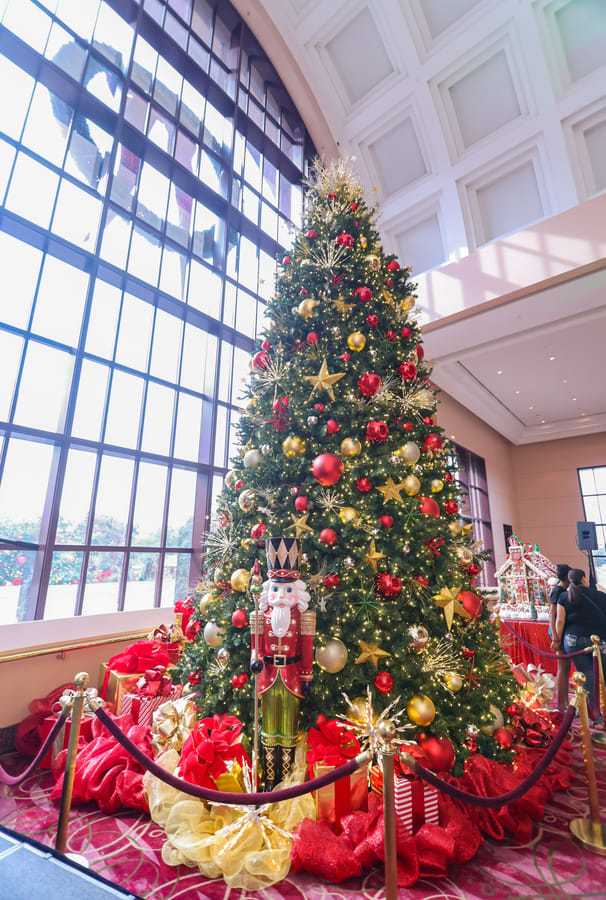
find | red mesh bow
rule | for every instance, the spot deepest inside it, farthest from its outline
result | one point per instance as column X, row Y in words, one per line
column 331, row 743
column 139, row 657
column 211, row 745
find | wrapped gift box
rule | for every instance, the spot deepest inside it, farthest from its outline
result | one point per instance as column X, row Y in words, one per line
column 143, row 708
column 114, row 686
column 342, row 797
column 62, row 739
column 416, row 804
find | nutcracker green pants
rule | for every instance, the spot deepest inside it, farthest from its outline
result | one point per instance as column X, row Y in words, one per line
column 279, row 716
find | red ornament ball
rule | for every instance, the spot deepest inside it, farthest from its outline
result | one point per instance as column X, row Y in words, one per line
column 329, row 537
column 440, row 752
column 471, row 602
column 239, row 484
column 238, row 681
column 406, row 332
column 449, row 477
column 319, row 406
column 286, row 261
column 301, row 503
column 384, row 682
column 194, row 678
column 451, row 507
column 377, row 432
column 420, row 351
column 312, row 337
column 266, row 345
column 364, row 294
column 427, row 420
column 327, row 468
column 386, row 521
column 473, row 569
column 332, row 427
column 372, row 321
column 429, row 507
column 393, row 266
column 514, row 709
column 331, row 580
column 345, row 357
column 369, row 384
column 194, row 627
column 504, row 738
column 311, row 234
column 364, row 485
column 407, row 370
column 390, row 335
column 239, row 618
column 259, row 360
column 388, row 586
column 408, row 426
column 257, row 531
column 433, row 442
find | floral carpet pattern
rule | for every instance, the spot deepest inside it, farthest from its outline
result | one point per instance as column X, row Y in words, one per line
column 125, row 849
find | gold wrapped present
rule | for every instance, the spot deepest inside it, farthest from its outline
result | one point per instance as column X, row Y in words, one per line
column 333, row 801
column 114, row 686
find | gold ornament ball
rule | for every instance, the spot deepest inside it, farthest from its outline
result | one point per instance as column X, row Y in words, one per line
column 420, row 710
column 293, row 446
column 231, row 478
column 306, row 308
column 356, row 341
column 363, row 241
column 349, row 514
column 412, row 485
column 408, row 452
column 407, row 303
column 205, row 601
column 357, row 710
column 373, row 262
column 239, row 579
column 453, row 681
column 437, row 485
column 252, row 459
column 351, row 447
column 219, row 577
column 247, row 500
column 332, row 657
column 424, row 398
column 213, row 634
column 465, row 555
column 497, row 721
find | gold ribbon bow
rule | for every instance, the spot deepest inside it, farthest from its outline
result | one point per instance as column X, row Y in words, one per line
column 173, row 722
column 66, row 701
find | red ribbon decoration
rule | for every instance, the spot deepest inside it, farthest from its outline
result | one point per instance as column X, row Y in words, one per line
column 209, row 747
column 331, row 743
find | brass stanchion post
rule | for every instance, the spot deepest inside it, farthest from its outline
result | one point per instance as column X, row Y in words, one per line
column 590, row 833
column 599, row 737
column 81, row 681
column 387, row 733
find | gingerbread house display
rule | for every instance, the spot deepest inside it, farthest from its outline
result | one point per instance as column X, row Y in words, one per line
column 524, row 582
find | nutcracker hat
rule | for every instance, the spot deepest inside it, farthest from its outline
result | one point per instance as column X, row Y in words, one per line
column 282, row 558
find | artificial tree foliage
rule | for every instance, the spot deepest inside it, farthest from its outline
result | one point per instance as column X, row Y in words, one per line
column 340, row 447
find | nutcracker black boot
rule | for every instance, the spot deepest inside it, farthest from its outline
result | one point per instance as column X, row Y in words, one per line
column 287, row 761
column 270, row 767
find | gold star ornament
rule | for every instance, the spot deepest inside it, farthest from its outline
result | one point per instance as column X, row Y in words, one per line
column 391, row 490
column 447, row 599
column 370, row 653
column 372, row 556
column 299, row 525
column 324, row 381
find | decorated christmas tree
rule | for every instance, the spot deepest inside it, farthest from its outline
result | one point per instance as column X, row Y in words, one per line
column 340, row 449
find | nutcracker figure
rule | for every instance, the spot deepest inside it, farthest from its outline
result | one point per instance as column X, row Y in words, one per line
column 282, row 635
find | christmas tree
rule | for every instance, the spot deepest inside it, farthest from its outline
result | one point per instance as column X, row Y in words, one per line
column 340, row 449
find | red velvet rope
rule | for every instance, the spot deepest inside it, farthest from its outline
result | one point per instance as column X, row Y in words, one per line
column 11, row 780
column 547, row 653
column 226, row 797
column 501, row 799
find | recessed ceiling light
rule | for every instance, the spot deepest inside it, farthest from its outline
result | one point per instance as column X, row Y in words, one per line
column 574, row 398
column 564, row 381
column 531, row 407
column 551, row 358
column 542, row 421
column 517, row 392
column 499, row 371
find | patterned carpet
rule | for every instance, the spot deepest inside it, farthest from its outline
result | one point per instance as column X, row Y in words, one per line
column 125, row 849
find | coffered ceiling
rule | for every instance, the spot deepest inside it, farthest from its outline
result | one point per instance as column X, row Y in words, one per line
column 478, row 125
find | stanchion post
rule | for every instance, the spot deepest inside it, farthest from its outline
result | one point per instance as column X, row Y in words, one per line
column 387, row 733
column 81, row 681
column 590, row 833
column 599, row 737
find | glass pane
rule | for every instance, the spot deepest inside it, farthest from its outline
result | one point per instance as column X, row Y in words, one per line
column 79, row 16
column 158, row 421
column 20, row 266
column 600, row 479
column 153, row 196
column 42, row 402
column 144, row 257
column 102, row 583
column 207, row 233
column 24, row 488
column 267, row 275
column 227, row 352
column 176, row 578
column 180, row 205
column 587, row 481
column 202, row 20
column 186, row 152
column 90, row 402
column 195, row 345
column 88, row 154
column 103, row 320
column 144, row 65
column 124, row 182
column 141, row 581
column 191, row 112
column 135, row 110
column 14, row 103
column 32, row 190
column 63, row 50
column 116, row 239
column 11, row 348
column 113, row 500
column 103, row 83
column 124, row 411
column 149, row 505
column 62, row 595
column 241, row 373
column 204, row 291
column 113, row 37
column 181, row 508
column 220, row 458
column 167, row 86
column 189, row 427
column 161, row 130
column 213, row 173
column 166, row 348
column 7, row 157
column 77, row 216
column 75, row 497
column 47, row 125
column 249, row 264
column 134, row 336
column 60, row 302
column 28, row 22
column 16, row 567
column 173, row 273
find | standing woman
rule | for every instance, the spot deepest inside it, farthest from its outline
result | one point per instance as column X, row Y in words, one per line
column 581, row 613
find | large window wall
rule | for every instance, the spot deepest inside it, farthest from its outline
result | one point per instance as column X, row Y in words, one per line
column 592, row 482
column 475, row 508
column 150, row 171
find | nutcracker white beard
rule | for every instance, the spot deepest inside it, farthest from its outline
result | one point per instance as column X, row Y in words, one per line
column 280, row 620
